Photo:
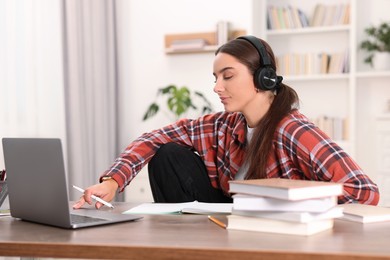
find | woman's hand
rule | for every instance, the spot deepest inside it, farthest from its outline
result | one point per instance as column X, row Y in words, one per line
column 105, row 190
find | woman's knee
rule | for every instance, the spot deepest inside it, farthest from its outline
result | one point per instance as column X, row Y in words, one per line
column 168, row 150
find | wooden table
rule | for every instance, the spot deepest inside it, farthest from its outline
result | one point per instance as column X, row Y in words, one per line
column 190, row 237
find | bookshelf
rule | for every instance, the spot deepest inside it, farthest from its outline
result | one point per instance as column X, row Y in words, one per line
column 299, row 48
column 359, row 94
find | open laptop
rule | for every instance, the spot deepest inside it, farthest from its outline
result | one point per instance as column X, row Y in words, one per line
column 38, row 190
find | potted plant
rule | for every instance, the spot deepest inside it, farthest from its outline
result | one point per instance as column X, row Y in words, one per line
column 179, row 101
column 377, row 46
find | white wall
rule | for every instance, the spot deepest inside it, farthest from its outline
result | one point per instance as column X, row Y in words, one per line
column 373, row 95
column 145, row 66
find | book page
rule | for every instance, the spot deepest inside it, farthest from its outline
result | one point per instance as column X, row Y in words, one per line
column 194, row 207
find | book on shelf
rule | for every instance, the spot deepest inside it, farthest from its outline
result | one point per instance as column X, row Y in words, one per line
column 330, row 15
column 346, row 14
column 245, row 223
column 334, row 127
column 289, row 17
column 287, row 189
column 313, row 63
column 223, row 29
column 365, row 213
column 295, row 17
column 282, row 22
column 285, row 17
column 338, row 62
column 303, row 18
column 274, row 19
column 318, row 15
column 325, row 58
column 302, row 217
column 258, row 203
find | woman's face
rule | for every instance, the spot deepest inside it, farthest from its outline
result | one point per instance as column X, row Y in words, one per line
column 234, row 84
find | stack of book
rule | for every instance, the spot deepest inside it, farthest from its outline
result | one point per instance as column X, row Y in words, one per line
column 313, row 63
column 284, row 206
column 335, row 127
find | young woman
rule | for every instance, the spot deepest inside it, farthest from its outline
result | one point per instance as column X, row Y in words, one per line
column 261, row 134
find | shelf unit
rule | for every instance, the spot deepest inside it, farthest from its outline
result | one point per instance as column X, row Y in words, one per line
column 317, row 39
column 308, row 30
column 360, row 95
column 297, row 40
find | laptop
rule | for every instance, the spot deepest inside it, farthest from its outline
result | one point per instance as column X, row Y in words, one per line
column 38, row 189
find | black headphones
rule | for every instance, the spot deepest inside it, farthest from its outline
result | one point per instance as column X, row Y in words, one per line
column 265, row 77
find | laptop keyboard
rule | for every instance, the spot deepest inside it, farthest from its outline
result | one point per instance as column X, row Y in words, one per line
column 79, row 219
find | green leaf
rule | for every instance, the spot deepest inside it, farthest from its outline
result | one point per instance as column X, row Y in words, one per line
column 378, row 40
column 151, row 111
column 179, row 101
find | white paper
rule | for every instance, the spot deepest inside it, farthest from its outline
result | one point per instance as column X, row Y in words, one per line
column 194, row 207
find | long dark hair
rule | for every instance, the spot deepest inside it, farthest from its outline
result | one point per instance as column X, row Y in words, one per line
column 284, row 102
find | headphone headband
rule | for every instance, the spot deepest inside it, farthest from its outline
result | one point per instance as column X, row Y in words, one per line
column 259, row 47
column 265, row 77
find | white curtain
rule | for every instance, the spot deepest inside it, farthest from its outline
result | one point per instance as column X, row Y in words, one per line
column 90, row 89
column 31, row 82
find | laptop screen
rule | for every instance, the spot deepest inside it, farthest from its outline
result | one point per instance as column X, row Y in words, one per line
column 36, row 180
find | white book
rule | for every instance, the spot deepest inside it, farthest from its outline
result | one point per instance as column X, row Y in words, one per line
column 287, row 189
column 365, row 213
column 243, row 223
column 257, row 203
column 222, row 32
column 301, row 217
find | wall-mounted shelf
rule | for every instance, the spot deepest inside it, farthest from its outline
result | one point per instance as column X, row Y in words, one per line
column 209, row 39
column 373, row 74
column 207, row 48
column 315, row 77
column 310, row 30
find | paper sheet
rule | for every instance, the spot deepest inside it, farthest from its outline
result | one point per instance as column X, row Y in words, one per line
column 194, row 207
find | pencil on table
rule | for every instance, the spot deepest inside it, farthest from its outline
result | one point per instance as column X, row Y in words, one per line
column 218, row 222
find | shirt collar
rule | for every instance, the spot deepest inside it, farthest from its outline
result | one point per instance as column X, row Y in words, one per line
column 239, row 130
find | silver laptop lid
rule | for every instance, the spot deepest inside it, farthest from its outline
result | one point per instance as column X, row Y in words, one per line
column 38, row 190
column 36, row 180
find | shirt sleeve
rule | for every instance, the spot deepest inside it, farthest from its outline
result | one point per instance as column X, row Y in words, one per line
column 322, row 159
column 187, row 132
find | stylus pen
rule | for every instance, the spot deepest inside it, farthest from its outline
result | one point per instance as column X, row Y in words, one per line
column 94, row 197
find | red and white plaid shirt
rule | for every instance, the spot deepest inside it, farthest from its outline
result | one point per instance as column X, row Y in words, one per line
column 300, row 151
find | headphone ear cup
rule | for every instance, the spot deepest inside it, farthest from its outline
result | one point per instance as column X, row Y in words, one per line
column 266, row 78
column 257, row 80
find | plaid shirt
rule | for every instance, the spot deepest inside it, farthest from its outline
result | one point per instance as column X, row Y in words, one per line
column 300, row 151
